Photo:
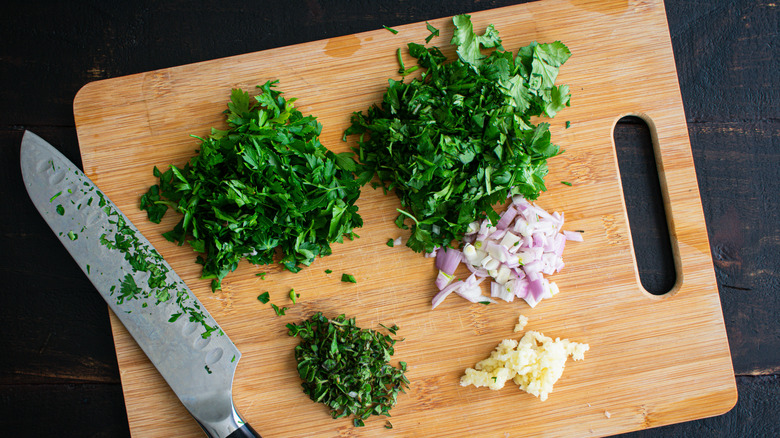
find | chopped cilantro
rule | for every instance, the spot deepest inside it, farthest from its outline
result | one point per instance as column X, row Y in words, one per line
column 261, row 275
column 264, row 297
column 328, row 271
column 568, row 124
column 348, row 278
column 390, row 243
column 460, row 138
column 566, row 183
column 60, row 209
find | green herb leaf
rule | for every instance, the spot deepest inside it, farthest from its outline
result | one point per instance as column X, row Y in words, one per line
column 469, row 43
column 390, row 29
column 390, row 243
column 294, row 296
column 279, row 310
column 434, row 32
column 348, row 278
column 264, row 297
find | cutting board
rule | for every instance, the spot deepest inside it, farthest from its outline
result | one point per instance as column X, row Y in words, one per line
column 653, row 360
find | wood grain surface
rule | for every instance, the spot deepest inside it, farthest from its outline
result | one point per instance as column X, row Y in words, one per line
column 653, row 360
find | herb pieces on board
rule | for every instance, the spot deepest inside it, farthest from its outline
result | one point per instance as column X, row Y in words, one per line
column 347, row 368
column 459, row 139
column 266, row 185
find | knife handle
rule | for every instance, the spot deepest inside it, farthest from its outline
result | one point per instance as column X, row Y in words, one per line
column 245, row 431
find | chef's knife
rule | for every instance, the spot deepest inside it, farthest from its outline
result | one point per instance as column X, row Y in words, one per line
column 165, row 318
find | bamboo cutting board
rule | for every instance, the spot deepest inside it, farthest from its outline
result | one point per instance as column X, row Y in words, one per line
column 653, row 360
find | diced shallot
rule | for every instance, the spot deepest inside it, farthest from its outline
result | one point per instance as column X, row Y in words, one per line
column 525, row 244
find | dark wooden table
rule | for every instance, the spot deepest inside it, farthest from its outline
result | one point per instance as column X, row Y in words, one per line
column 58, row 369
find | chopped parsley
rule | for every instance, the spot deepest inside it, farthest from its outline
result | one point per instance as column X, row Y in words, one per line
column 262, row 187
column 566, row 183
column 390, row 243
column 264, row 297
column 348, row 278
column 328, row 271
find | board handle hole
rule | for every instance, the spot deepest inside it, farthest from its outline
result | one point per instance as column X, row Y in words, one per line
column 644, row 199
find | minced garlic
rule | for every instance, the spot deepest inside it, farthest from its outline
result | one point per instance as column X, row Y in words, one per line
column 534, row 363
column 522, row 320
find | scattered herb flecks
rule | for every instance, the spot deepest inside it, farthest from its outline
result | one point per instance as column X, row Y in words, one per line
column 143, row 258
column 459, row 139
column 433, row 32
column 390, row 29
column 566, row 183
column 347, row 368
column 265, row 185
column 279, row 310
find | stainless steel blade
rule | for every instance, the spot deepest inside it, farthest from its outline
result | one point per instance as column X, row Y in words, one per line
column 158, row 309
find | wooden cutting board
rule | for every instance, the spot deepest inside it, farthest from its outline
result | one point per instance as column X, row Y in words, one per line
column 653, row 360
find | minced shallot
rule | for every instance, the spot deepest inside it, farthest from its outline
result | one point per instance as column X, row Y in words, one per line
column 517, row 252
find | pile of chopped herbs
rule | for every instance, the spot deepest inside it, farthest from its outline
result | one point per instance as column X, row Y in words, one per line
column 266, row 185
column 347, row 368
column 459, row 139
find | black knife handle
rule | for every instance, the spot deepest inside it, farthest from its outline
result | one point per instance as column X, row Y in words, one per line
column 244, row 431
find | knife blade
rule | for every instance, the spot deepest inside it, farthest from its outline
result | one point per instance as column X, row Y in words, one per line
column 183, row 341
